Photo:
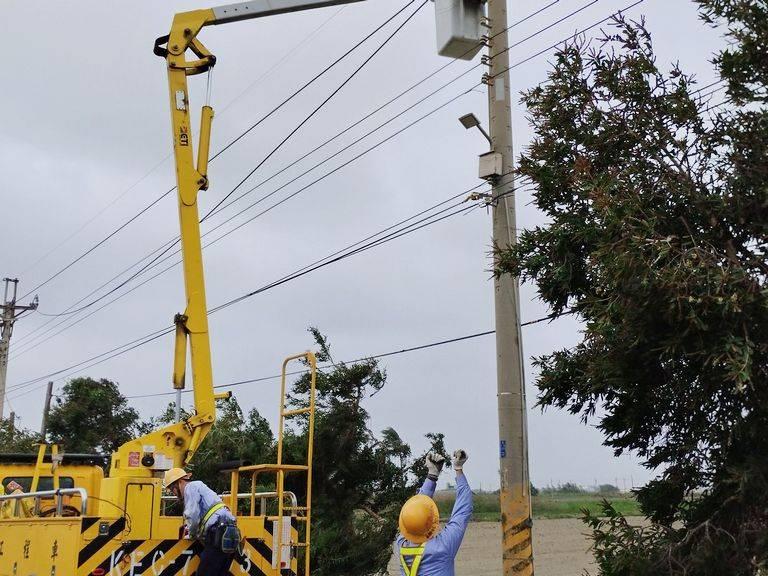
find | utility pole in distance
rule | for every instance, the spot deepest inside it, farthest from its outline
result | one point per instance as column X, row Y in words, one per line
column 46, row 410
column 11, row 312
column 515, row 493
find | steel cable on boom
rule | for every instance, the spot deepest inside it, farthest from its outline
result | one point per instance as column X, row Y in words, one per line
column 454, row 80
column 217, row 154
column 259, row 165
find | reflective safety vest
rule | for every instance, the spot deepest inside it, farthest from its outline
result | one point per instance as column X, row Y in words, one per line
column 211, row 511
column 417, row 554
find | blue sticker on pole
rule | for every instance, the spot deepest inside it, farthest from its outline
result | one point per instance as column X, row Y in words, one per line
column 503, row 448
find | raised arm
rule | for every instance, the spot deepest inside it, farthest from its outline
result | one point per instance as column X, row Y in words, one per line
column 450, row 537
column 434, row 464
column 428, row 488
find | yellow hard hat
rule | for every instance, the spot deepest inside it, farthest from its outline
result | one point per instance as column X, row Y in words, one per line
column 419, row 519
column 174, row 475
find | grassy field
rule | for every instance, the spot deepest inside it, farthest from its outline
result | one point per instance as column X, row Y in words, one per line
column 486, row 505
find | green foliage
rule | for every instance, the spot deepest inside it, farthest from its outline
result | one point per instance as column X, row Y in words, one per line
column 486, row 505
column 233, row 437
column 607, row 489
column 14, row 439
column 657, row 238
column 620, row 548
column 91, row 416
column 360, row 480
column 567, row 488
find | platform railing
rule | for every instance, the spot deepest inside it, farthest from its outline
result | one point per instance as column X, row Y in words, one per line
column 40, row 494
column 262, row 497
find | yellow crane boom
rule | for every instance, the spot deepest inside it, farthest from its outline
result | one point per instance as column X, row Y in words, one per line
column 176, row 444
column 89, row 525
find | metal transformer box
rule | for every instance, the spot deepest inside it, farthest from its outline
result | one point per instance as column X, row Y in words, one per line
column 459, row 29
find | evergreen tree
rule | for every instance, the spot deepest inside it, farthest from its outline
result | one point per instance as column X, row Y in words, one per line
column 91, row 416
column 14, row 439
column 657, row 239
column 360, row 480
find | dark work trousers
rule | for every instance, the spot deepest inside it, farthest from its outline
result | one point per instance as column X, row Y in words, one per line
column 213, row 562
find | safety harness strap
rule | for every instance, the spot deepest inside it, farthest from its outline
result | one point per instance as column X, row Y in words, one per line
column 417, row 554
column 211, row 511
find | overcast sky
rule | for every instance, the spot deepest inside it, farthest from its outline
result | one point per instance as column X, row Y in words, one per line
column 85, row 143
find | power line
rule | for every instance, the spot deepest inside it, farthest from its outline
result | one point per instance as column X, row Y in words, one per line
column 571, row 37
column 513, row 66
column 296, row 93
column 269, row 155
column 220, row 112
column 298, row 271
column 296, row 48
column 412, row 227
column 361, row 359
column 165, row 249
column 316, row 109
column 226, row 147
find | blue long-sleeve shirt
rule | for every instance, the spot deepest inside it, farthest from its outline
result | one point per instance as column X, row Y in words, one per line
column 440, row 550
column 198, row 499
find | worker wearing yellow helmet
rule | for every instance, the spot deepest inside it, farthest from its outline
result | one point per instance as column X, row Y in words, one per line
column 424, row 549
column 206, row 519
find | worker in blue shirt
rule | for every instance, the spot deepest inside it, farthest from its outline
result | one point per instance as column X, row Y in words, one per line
column 422, row 549
column 207, row 519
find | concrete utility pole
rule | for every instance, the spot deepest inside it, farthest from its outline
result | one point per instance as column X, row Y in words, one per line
column 9, row 316
column 46, row 410
column 515, row 494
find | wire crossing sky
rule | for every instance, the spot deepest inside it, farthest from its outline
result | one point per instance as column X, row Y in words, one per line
column 379, row 165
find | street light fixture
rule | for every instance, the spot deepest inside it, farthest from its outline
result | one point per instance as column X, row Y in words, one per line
column 471, row 121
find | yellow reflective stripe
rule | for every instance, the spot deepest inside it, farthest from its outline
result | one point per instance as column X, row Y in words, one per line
column 406, row 570
column 416, row 564
column 417, row 553
column 210, row 513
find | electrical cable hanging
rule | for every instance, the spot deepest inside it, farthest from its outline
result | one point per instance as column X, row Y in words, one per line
column 528, row 59
column 164, row 247
column 226, row 147
column 220, row 112
column 259, row 165
column 297, row 274
column 360, row 359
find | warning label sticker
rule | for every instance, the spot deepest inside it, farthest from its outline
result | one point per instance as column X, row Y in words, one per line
column 133, row 459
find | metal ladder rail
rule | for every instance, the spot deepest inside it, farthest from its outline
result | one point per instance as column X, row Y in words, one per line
column 307, row 518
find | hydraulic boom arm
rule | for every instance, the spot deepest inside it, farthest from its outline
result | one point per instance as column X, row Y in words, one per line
column 174, row 445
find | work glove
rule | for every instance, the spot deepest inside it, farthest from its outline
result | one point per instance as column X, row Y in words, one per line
column 459, row 457
column 434, row 465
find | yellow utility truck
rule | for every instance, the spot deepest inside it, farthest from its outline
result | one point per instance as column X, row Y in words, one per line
column 61, row 516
